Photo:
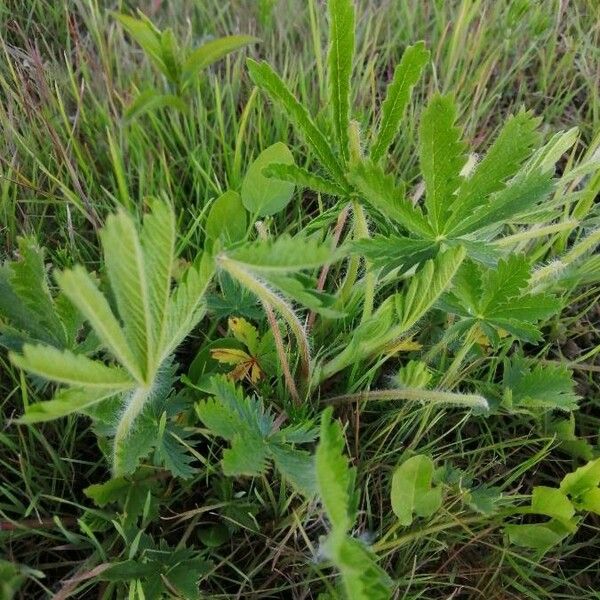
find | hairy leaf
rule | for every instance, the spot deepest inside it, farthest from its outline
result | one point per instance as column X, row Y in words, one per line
column 406, row 75
column 265, row 78
column 427, row 286
column 380, row 191
column 509, row 151
column 341, row 53
column 441, row 156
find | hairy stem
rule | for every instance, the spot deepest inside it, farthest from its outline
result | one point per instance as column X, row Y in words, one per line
column 283, row 361
column 414, row 395
column 337, row 232
column 258, row 287
column 361, row 231
column 134, row 406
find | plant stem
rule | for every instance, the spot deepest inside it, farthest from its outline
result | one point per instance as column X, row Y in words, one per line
column 447, row 380
column 266, row 295
column 414, row 395
column 337, row 232
column 134, row 406
column 361, row 231
column 285, row 367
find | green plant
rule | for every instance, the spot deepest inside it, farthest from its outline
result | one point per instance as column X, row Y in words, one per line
column 153, row 322
column 180, row 67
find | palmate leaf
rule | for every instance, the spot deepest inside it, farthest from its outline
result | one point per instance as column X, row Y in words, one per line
column 265, row 78
column 341, row 53
column 186, row 304
column 64, row 366
column 139, row 266
column 538, row 386
column 284, row 254
column 334, row 477
column 83, row 292
column 392, row 252
column 29, row 312
column 406, row 75
column 158, row 245
column 250, row 428
column 65, row 402
column 441, row 156
column 497, row 299
column 516, row 198
column 30, row 284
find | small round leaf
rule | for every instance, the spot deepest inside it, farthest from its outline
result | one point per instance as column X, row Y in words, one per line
column 265, row 196
column 227, row 218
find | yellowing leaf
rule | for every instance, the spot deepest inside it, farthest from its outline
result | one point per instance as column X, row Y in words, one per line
column 230, row 356
column 244, row 332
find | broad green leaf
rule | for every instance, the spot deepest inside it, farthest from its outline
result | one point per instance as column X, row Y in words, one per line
column 406, row 75
column 212, row 51
column 265, row 78
column 380, row 191
column 82, row 291
column 538, row 536
column 67, row 401
column 341, row 53
column 427, row 285
column 551, row 502
column 590, row 501
column 127, row 274
column 362, row 578
column 412, row 490
column 149, row 100
column 441, row 156
column 263, row 196
column 158, row 245
column 509, row 151
column 334, row 477
column 583, row 479
column 147, row 36
column 170, row 55
column 64, row 366
column 302, row 178
column 226, row 218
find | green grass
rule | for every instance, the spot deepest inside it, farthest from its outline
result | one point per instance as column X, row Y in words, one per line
column 69, row 158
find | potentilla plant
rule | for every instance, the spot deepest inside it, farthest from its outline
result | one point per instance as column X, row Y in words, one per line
column 452, row 273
